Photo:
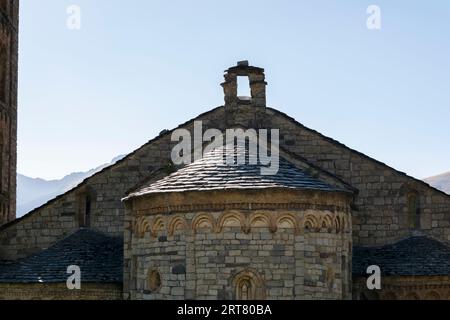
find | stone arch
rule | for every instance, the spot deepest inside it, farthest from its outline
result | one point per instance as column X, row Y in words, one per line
column 327, row 222
column 233, row 219
column 145, row 226
column 248, row 285
column 337, row 223
column 310, row 222
column 141, row 226
column 176, row 223
column 158, row 225
column 203, row 221
column 432, row 295
column 261, row 220
column 287, row 221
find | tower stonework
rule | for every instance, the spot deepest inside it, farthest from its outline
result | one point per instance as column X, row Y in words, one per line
column 9, row 18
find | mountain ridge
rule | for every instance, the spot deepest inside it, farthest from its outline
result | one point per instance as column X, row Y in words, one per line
column 34, row 192
column 441, row 182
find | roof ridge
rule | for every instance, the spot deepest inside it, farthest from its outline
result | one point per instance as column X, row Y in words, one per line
column 340, row 144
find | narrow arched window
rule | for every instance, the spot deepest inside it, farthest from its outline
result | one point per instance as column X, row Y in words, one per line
column 245, row 290
column 85, row 209
column 413, row 210
column 248, row 285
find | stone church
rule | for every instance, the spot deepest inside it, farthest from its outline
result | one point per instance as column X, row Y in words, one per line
column 146, row 228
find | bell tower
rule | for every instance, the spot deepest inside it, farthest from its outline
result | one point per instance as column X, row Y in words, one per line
column 238, row 105
column 9, row 25
column 256, row 80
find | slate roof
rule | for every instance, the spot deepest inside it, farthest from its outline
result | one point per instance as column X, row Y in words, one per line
column 212, row 173
column 100, row 258
column 414, row 256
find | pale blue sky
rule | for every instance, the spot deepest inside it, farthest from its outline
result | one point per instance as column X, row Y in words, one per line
column 139, row 66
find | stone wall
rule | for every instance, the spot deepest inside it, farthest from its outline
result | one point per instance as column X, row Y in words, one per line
column 59, row 291
column 204, row 264
column 405, row 288
column 205, row 252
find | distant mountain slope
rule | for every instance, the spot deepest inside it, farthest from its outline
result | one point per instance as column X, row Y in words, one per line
column 33, row 192
column 441, row 182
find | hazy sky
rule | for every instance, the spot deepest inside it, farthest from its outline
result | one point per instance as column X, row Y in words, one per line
column 140, row 66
